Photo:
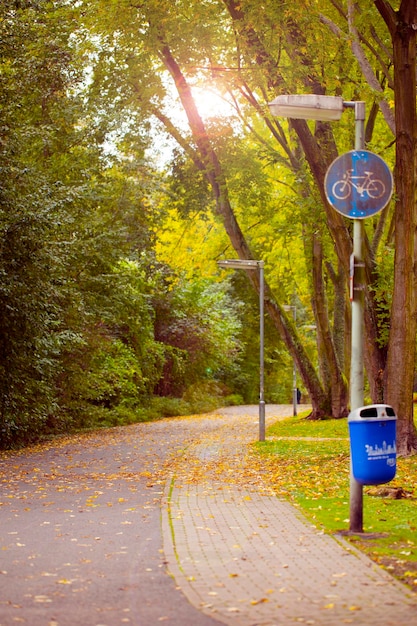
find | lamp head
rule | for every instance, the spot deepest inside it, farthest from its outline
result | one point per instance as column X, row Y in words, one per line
column 307, row 107
column 238, row 264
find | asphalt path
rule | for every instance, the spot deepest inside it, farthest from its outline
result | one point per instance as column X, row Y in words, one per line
column 80, row 529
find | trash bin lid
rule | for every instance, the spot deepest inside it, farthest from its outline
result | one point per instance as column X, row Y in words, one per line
column 378, row 412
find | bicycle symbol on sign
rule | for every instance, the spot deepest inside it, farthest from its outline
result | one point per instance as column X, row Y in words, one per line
column 342, row 188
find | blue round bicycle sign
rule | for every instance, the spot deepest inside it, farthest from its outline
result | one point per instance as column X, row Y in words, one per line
column 358, row 184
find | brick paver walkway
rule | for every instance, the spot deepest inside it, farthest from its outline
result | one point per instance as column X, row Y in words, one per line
column 247, row 558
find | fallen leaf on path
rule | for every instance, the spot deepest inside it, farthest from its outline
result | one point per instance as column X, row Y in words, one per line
column 260, row 601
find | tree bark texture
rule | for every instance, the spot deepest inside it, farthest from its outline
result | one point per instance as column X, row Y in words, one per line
column 399, row 375
column 335, row 380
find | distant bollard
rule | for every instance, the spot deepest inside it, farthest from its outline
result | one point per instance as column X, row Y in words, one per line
column 373, row 445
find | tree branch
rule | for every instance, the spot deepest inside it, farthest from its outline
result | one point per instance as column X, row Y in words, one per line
column 367, row 69
column 338, row 32
column 387, row 13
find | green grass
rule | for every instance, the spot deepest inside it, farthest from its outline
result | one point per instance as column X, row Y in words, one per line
column 308, row 463
column 301, row 427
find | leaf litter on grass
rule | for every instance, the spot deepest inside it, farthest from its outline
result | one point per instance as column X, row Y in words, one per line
column 315, row 477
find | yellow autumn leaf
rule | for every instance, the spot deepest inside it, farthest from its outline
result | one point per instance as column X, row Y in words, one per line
column 255, row 602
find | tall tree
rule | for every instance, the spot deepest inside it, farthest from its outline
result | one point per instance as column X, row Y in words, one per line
column 319, row 149
column 67, row 218
column 400, row 369
column 253, row 51
column 35, row 72
column 299, row 44
column 161, row 37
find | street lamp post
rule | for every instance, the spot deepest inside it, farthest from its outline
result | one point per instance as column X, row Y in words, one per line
column 289, row 307
column 330, row 108
column 249, row 264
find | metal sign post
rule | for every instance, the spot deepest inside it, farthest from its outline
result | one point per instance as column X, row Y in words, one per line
column 358, row 184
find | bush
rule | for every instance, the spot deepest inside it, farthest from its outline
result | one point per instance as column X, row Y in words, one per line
column 102, row 382
column 201, row 397
column 233, row 400
column 168, row 407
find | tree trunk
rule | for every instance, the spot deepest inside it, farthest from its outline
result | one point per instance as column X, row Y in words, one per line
column 400, row 368
column 213, row 170
column 334, row 376
column 399, row 373
column 322, row 405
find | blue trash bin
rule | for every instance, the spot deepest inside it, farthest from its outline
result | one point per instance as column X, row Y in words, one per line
column 373, row 444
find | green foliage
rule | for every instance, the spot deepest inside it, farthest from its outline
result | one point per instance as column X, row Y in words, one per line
column 163, row 406
column 116, row 364
column 200, row 398
column 199, row 325
column 302, row 427
column 35, row 70
column 114, row 377
column 383, row 289
column 69, row 220
column 102, row 300
column 205, row 396
column 190, row 194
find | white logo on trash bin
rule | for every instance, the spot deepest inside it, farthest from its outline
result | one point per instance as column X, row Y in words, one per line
column 378, row 453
